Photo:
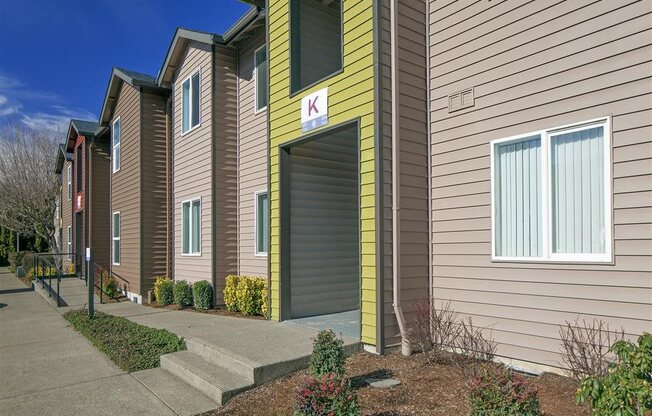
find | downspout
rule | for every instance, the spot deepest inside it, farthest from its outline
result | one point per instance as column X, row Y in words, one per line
column 406, row 349
column 237, row 159
column 428, row 150
column 89, row 200
column 168, row 185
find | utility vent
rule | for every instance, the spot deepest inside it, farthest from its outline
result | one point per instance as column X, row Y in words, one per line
column 461, row 99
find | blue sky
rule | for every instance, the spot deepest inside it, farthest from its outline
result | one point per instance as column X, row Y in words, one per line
column 56, row 55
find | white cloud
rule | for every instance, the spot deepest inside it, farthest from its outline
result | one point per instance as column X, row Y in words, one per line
column 57, row 120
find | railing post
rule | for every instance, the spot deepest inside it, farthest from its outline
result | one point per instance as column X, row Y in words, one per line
column 58, row 289
column 49, row 279
column 101, row 286
column 91, row 288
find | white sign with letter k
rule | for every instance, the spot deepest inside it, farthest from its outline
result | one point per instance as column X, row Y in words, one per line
column 314, row 110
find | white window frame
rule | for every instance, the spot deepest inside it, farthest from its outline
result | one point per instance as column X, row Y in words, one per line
column 114, row 238
column 69, row 242
column 256, row 208
column 189, row 79
column 547, row 256
column 69, row 172
column 256, row 109
column 191, row 252
column 116, row 147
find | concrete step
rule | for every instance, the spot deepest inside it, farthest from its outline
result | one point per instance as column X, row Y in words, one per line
column 223, row 357
column 217, row 382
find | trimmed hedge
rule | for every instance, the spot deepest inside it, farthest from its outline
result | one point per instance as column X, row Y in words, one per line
column 246, row 294
column 202, row 293
column 163, row 290
column 182, row 293
column 131, row 346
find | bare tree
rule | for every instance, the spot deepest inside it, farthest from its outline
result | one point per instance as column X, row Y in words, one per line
column 28, row 184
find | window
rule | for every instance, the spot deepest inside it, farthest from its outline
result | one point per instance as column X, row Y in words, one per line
column 260, row 69
column 116, row 239
column 115, row 132
column 315, row 41
column 190, row 103
column 78, row 162
column 551, row 194
column 69, row 172
column 191, row 227
column 69, row 243
column 262, row 223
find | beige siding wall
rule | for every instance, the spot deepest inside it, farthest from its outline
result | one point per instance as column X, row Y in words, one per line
column 192, row 159
column 252, row 160
column 66, row 211
column 534, row 66
column 412, row 100
column 126, row 187
column 153, row 184
column 225, row 113
column 98, row 203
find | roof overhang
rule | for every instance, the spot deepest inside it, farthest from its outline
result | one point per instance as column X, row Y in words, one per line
column 62, row 157
column 117, row 78
column 182, row 36
column 78, row 128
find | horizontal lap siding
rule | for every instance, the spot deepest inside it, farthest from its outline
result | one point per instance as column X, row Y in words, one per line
column 192, row 159
column 126, row 187
column 154, row 193
column 534, row 66
column 225, row 114
column 351, row 97
column 252, row 159
column 100, row 229
column 412, row 101
column 66, row 210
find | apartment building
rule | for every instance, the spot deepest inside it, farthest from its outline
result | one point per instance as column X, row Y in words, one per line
column 63, row 215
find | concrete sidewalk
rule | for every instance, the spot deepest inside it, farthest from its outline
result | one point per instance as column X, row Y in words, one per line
column 46, row 367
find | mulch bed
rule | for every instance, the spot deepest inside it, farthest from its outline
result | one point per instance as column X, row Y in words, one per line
column 425, row 389
column 215, row 311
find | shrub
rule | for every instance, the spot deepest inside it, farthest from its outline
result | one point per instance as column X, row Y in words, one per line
column 626, row 389
column 585, row 347
column 327, row 354
column 16, row 259
column 434, row 330
column 27, row 260
column 163, row 290
column 109, row 285
column 246, row 294
column 472, row 343
column 13, row 261
column 71, row 268
column 231, row 293
column 182, row 293
column 326, row 395
column 42, row 272
column 497, row 391
column 202, row 293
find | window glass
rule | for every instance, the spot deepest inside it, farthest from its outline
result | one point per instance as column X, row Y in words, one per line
column 261, row 78
column 185, row 106
column 186, row 228
column 116, row 145
column 577, row 191
column 69, row 182
column 116, row 238
column 517, row 204
column 195, row 100
column 196, row 226
column 262, row 223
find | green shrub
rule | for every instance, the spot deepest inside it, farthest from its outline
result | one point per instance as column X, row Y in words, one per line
column 626, row 389
column 28, row 260
column 326, row 395
column 497, row 391
column 182, row 293
column 327, row 354
column 163, row 290
column 246, row 294
column 42, row 272
column 202, row 293
column 231, row 293
column 16, row 259
column 71, row 268
column 109, row 286
column 129, row 345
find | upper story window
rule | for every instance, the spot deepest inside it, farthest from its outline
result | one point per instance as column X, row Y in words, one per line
column 190, row 91
column 69, row 174
column 315, row 41
column 551, row 194
column 115, row 133
column 115, row 252
column 260, row 74
column 78, row 162
column 262, row 223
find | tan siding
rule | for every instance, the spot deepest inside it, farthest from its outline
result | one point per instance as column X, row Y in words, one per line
column 153, row 185
column 126, row 187
column 225, row 113
column 252, row 161
column 536, row 66
column 414, row 161
column 66, row 211
column 192, row 163
column 99, row 203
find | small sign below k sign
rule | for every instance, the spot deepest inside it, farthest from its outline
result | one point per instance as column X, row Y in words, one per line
column 314, row 110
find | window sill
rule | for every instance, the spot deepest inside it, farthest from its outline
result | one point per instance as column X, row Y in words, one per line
column 191, row 255
column 537, row 260
column 319, row 81
column 260, row 254
column 183, row 133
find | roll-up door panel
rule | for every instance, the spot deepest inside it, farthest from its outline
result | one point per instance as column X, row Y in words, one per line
column 324, row 225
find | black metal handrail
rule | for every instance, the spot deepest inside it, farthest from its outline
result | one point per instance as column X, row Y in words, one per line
column 44, row 262
column 100, row 272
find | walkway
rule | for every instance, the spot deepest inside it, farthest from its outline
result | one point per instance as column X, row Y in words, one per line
column 46, row 367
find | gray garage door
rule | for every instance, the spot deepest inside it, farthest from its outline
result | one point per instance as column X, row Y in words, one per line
column 324, row 221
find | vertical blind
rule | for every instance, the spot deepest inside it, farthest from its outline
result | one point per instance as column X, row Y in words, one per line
column 517, row 198
column 577, row 191
column 185, row 226
column 196, row 226
column 185, row 106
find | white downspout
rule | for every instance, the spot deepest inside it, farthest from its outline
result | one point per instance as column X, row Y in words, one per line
column 406, row 349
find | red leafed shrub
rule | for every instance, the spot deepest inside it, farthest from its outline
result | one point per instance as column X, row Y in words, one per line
column 327, row 395
column 498, row 391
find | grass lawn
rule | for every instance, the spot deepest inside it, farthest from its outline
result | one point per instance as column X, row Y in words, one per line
column 436, row 389
column 131, row 346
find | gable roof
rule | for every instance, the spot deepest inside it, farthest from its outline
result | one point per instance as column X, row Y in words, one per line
column 62, row 157
column 79, row 128
column 119, row 76
column 182, row 36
